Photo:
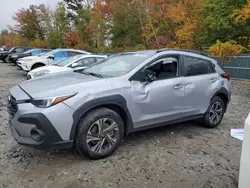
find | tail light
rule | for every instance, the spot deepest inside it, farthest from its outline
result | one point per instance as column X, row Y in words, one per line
column 225, row 75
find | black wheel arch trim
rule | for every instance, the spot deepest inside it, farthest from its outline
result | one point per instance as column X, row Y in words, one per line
column 98, row 102
column 224, row 91
column 37, row 63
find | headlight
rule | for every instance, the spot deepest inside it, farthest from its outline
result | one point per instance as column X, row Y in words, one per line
column 38, row 74
column 47, row 102
column 14, row 56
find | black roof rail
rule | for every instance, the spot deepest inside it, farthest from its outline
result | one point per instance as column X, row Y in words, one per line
column 182, row 50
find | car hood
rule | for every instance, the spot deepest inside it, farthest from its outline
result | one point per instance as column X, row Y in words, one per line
column 58, row 84
column 49, row 69
column 32, row 58
column 5, row 52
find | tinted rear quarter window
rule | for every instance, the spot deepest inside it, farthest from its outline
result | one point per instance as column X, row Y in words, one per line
column 71, row 53
column 196, row 66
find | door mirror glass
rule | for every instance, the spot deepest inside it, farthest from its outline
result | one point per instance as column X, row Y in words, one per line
column 51, row 57
column 74, row 65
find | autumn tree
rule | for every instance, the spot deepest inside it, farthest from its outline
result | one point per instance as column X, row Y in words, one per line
column 217, row 22
column 59, row 27
column 225, row 50
column 242, row 16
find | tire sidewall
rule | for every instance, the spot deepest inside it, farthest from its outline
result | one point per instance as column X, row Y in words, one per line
column 84, row 126
column 207, row 120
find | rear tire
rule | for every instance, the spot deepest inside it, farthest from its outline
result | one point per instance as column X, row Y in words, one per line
column 215, row 113
column 99, row 133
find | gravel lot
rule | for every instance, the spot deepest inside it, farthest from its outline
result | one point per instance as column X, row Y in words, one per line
column 179, row 156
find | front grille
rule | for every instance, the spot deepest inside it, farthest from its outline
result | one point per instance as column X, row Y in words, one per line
column 12, row 106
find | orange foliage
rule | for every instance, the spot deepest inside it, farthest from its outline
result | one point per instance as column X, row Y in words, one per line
column 37, row 43
column 73, row 40
column 13, row 39
column 185, row 16
column 244, row 13
column 224, row 50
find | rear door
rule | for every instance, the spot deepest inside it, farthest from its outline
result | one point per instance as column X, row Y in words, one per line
column 201, row 82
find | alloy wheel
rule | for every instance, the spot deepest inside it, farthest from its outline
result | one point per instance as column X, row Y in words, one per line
column 216, row 113
column 102, row 135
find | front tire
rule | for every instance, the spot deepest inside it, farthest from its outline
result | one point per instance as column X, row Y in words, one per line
column 5, row 59
column 215, row 113
column 36, row 66
column 99, row 133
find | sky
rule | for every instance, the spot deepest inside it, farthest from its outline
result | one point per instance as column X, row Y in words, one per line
column 9, row 7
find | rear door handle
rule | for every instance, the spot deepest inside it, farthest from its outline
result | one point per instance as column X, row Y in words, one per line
column 178, row 86
column 212, row 80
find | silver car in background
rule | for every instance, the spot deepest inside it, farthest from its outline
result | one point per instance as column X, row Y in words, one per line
column 92, row 109
column 78, row 62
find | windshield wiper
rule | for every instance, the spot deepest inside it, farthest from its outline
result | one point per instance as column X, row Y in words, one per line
column 92, row 74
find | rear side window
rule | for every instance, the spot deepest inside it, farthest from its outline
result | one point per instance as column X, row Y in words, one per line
column 60, row 54
column 86, row 62
column 36, row 52
column 72, row 53
column 195, row 66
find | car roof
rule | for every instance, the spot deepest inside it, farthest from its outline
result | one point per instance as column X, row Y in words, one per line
column 72, row 50
column 88, row 55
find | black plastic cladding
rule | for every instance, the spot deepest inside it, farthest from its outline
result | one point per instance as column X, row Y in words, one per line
column 110, row 100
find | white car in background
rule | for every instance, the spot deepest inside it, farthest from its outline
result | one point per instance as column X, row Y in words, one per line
column 52, row 57
column 78, row 62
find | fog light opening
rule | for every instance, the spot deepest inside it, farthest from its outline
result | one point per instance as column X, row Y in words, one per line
column 37, row 135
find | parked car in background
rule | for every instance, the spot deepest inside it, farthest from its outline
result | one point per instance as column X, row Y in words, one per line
column 52, row 57
column 245, row 157
column 32, row 52
column 17, row 49
column 78, row 62
column 122, row 94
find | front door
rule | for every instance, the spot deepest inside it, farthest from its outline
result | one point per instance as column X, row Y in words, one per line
column 160, row 100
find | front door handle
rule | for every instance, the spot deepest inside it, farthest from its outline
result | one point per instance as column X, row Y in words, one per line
column 178, row 86
column 212, row 80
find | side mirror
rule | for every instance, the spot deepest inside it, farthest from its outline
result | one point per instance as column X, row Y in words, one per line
column 150, row 76
column 51, row 57
column 74, row 65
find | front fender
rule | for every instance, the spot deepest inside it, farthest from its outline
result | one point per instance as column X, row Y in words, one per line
column 94, row 103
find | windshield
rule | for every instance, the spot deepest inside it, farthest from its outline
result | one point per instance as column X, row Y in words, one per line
column 11, row 49
column 118, row 65
column 49, row 53
column 66, row 62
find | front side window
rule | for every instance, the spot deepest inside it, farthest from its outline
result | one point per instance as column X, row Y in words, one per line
column 19, row 50
column 119, row 64
column 164, row 68
column 86, row 62
column 195, row 66
column 68, row 61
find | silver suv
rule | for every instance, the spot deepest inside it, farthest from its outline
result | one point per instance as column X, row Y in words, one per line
column 91, row 110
